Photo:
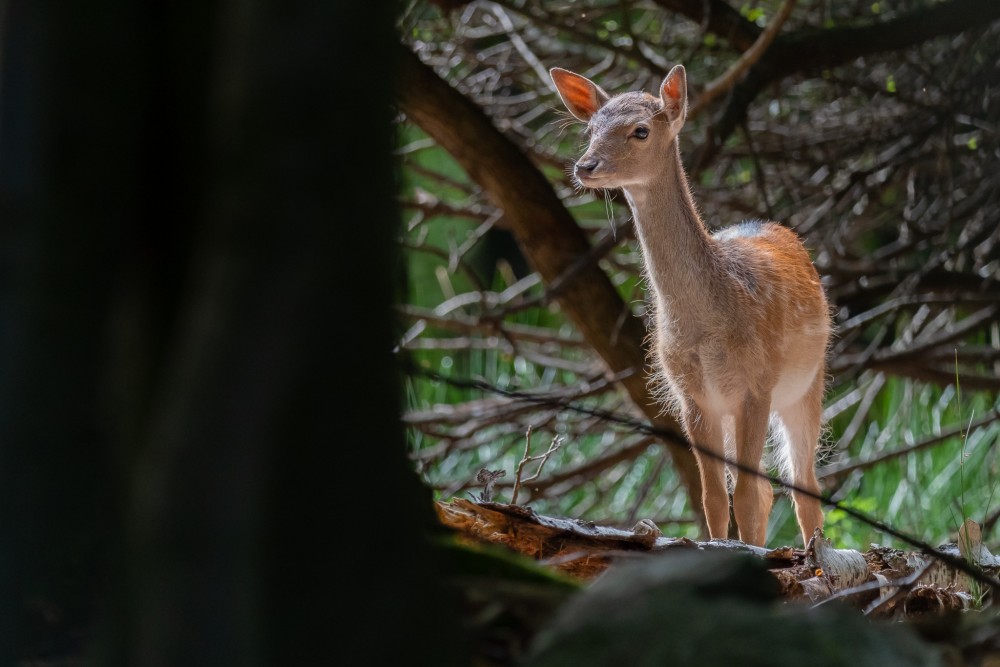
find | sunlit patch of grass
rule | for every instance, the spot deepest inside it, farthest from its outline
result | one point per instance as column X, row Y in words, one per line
column 926, row 492
column 849, row 532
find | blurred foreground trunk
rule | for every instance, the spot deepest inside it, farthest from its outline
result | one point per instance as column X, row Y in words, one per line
column 196, row 339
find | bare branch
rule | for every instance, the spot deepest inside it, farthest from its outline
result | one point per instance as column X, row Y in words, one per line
column 518, row 480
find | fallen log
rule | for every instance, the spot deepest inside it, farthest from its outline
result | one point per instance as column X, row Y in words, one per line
column 882, row 581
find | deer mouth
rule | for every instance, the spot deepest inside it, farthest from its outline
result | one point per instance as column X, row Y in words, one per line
column 593, row 180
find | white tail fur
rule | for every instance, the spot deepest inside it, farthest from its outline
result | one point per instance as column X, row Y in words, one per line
column 741, row 320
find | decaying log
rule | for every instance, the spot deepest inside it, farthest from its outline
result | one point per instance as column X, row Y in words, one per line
column 581, row 549
column 882, row 581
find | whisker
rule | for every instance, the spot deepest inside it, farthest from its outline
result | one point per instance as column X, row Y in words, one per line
column 609, row 209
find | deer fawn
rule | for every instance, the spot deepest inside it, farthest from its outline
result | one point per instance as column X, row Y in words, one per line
column 740, row 318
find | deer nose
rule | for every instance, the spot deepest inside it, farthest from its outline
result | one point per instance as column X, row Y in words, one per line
column 587, row 166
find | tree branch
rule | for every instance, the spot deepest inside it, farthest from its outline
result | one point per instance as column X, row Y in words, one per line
column 728, row 78
column 721, row 19
column 808, row 50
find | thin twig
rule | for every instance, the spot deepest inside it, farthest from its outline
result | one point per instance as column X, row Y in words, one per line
column 553, row 448
column 527, row 458
column 520, row 466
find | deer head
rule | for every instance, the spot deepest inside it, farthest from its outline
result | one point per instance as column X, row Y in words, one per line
column 629, row 133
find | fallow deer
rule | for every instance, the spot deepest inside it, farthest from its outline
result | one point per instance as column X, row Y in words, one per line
column 739, row 319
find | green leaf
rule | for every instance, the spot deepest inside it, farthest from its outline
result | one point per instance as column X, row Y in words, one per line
column 752, row 14
column 890, row 84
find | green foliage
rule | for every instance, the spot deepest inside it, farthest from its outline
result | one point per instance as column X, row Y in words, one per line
column 754, row 14
column 926, row 492
column 849, row 532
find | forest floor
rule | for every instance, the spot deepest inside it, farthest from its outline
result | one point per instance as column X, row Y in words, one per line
column 935, row 591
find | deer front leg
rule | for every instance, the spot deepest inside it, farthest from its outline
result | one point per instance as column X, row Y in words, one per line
column 706, row 433
column 753, row 496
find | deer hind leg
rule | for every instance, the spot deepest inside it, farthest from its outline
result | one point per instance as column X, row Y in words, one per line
column 707, row 434
column 753, row 495
column 801, row 424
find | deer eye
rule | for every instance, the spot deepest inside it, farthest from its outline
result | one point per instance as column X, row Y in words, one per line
column 640, row 132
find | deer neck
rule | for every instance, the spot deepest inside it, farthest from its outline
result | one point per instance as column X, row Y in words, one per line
column 679, row 254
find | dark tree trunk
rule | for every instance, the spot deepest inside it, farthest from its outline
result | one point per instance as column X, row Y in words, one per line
column 198, row 254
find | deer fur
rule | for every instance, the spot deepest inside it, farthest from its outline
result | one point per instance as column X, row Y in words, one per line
column 740, row 320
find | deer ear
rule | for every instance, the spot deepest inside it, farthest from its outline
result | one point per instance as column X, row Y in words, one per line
column 581, row 96
column 673, row 93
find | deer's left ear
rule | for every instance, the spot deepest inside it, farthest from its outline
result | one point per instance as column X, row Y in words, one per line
column 673, row 93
